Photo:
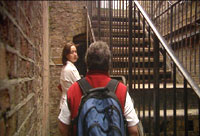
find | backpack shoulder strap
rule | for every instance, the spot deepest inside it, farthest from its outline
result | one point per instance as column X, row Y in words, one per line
column 84, row 85
column 112, row 85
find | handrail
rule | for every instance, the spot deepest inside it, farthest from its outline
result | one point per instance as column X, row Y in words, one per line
column 90, row 24
column 171, row 5
column 169, row 50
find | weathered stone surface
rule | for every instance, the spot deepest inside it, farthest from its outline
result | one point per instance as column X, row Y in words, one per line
column 2, row 127
column 4, row 100
column 21, row 53
column 70, row 22
column 3, row 68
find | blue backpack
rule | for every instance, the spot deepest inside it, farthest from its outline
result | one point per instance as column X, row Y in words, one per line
column 100, row 112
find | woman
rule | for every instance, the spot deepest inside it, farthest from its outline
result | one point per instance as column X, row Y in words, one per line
column 69, row 73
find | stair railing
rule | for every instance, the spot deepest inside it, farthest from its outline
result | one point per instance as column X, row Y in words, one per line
column 130, row 35
column 159, row 41
column 178, row 22
column 169, row 50
column 89, row 28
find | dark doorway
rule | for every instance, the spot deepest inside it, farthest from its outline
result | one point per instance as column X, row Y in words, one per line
column 81, row 49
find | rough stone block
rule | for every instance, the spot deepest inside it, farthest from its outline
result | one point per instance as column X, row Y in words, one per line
column 4, row 100
column 3, row 68
column 2, row 127
column 11, row 127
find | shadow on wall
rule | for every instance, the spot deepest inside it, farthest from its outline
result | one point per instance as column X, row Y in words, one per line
column 81, row 49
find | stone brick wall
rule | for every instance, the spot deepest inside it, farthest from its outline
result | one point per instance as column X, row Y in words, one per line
column 63, row 28
column 22, row 38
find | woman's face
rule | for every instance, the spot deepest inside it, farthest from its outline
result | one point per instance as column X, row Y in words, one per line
column 72, row 56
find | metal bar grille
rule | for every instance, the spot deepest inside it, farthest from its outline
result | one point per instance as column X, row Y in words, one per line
column 140, row 53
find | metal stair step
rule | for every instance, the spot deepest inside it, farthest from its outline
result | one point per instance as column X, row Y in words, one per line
column 119, row 33
column 114, row 23
column 135, row 59
column 140, row 41
column 126, row 49
column 135, row 72
column 161, row 86
column 169, row 112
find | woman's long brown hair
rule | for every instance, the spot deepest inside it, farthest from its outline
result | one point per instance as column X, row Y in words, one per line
column 66, row 51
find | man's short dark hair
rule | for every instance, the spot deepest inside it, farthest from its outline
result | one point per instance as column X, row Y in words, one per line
column 98, row 56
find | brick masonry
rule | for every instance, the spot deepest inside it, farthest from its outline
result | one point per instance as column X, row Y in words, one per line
column 22, row 38
column 29, row 98
column 63, row 28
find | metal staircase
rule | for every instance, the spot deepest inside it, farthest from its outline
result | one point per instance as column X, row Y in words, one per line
column 143, row 59
column 150, row 69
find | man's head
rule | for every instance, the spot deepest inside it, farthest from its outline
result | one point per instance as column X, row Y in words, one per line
column 98, row 56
